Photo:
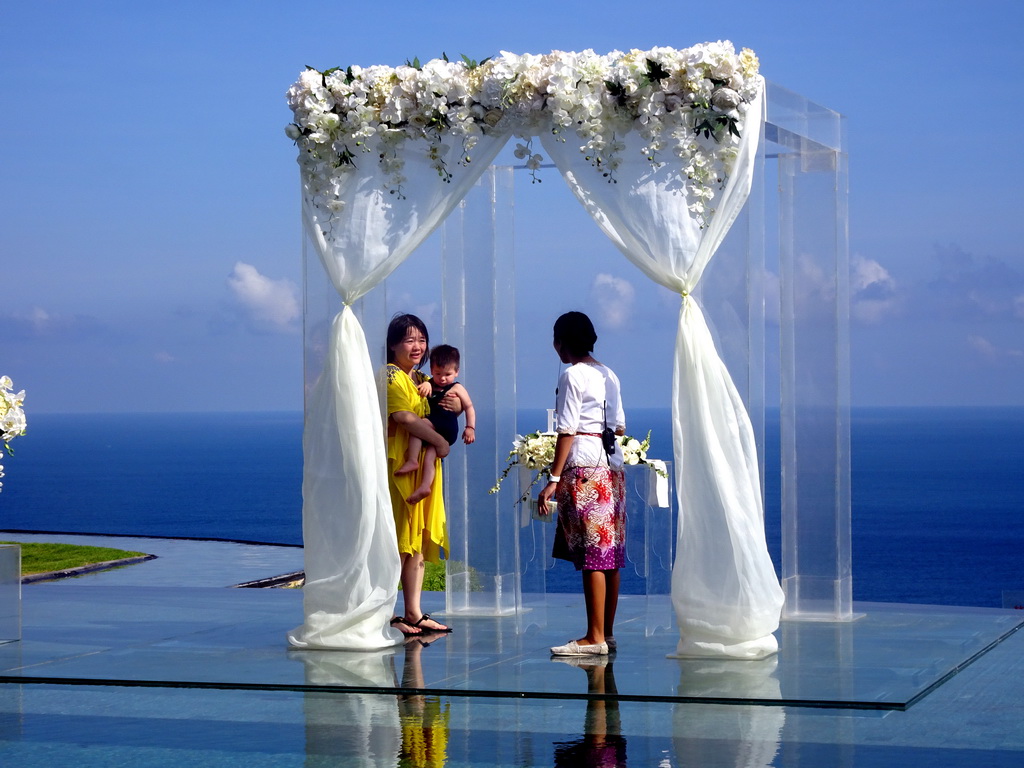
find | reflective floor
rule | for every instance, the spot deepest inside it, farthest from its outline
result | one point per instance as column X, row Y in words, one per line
column 112, row 675
column 179, row 562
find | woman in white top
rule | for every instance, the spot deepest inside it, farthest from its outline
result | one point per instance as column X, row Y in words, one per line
column 587, row 480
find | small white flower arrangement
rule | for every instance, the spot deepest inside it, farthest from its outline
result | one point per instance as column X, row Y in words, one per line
column 536, row 451
column 533, row 451
column 12, row 416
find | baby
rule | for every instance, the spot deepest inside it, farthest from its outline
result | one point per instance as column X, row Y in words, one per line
column 444, row 368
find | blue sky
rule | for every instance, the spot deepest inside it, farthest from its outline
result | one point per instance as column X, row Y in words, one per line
column 149, row 228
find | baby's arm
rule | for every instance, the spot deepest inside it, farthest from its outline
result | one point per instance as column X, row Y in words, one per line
column 425, row 388
column 469, row 433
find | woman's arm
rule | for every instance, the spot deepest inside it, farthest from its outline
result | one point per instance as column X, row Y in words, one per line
column 422, row 429
column 451, row 402
column 562, row 445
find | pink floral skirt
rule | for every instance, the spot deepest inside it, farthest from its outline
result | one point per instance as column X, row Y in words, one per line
column 591, row 531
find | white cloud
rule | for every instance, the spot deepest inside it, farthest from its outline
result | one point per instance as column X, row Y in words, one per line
column 865, row 273
column 39, row 319
column 613, row 298
column 873, row 295
column 982, row 346
column 164, row 356
column 978, row 288
column 988, row 350
column 41, row 323
column 268, row 304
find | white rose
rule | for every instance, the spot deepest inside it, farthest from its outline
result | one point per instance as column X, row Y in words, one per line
column 725, row 99
column 724, row 69
column 310, row 79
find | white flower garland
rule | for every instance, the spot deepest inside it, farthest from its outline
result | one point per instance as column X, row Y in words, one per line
column 688, row 105
column 12, row 417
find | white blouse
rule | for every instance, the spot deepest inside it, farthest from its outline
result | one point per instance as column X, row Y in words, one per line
column 583, row 391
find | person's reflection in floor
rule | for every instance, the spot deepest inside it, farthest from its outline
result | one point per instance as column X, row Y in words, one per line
column 602, row 745
column 424, row 719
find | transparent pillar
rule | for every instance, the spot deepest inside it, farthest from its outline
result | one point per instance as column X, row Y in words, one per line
column 478, row 317
column 10, row 592
column 809, row 141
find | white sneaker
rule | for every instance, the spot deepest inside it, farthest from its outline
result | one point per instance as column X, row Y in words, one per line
column 573, row 648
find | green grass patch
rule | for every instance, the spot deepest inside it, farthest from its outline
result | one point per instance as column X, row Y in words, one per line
column 44, row 557
column 434, row 576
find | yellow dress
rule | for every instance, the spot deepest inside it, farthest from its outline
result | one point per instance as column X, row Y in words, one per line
column 425, row 734
column 421, row 526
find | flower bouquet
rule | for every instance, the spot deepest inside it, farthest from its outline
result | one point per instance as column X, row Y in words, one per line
column 533, row 451
column 12, row 417
column 537, row 450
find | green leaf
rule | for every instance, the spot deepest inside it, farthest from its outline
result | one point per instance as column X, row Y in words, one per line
column 656, row 71
column 472, row 63
column 617, row 91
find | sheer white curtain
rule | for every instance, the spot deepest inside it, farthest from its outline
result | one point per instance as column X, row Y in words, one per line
column 351, row 552
column 725, row 592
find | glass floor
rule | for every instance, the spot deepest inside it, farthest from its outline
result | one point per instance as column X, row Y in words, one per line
column 215, row 637
column 159, row 675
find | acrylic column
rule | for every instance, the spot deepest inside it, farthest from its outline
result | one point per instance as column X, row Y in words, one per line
column 10, row 593
column 814, row 346
column 478, row 317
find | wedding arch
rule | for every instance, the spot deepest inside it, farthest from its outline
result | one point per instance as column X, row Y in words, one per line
column 659, row 147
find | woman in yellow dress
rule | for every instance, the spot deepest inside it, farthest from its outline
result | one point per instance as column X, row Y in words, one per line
column 421, row 525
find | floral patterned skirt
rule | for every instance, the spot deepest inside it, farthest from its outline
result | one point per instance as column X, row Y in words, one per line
column 591, row 531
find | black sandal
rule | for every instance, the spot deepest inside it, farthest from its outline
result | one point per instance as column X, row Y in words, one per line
column 423, row 618
column 401, row 620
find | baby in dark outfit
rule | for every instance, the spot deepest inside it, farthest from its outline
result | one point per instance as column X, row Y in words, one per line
column 444, row 369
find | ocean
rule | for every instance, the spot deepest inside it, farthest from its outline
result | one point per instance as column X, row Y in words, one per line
column 938, row 495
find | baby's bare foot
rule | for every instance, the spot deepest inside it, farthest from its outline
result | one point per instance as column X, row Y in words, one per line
column 418, row 495
column 405, row 469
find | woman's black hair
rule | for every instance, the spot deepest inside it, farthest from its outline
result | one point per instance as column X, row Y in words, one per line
column 398, row 327
column 575, row 333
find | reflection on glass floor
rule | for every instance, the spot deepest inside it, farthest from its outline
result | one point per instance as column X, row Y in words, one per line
column 888, row 659
column 976, row 719
column 490, row 695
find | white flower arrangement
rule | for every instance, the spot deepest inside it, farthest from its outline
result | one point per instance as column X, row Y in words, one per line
column 687, row 104
column 12, row 417
column 537, row 451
